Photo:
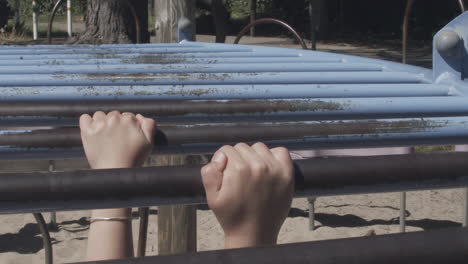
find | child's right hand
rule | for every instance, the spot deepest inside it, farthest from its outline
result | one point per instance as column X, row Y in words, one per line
column 250, row 190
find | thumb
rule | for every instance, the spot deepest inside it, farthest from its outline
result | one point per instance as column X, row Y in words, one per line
column 212, row 175
column 148, row 126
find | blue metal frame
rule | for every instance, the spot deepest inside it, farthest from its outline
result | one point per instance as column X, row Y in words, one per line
column 363, row 89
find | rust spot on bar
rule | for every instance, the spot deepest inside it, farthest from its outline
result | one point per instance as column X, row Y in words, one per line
column 159, row 76
column 161, row 58
column 189, row 92
column 105, row 56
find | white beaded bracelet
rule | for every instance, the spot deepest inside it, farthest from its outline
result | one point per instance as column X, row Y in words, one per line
column 97, row 219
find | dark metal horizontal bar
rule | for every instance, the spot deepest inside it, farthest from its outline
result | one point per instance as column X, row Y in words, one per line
column 21, row 192
column 435, row 246
column 307, row 131
column 357, row 107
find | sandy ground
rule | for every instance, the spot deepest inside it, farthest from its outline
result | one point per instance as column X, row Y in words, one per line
column 337, row 217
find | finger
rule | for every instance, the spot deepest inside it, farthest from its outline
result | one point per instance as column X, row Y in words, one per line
column 281, row 154
column 99, row 116
column 248, row 154
column 264, row 152
column 128, row 114
column 129, row 118
column 113, row 117
column 212, row 176
column 85, row 122
column 148, row 126
column 114, row 114
column 259, row 166
column 284, row 158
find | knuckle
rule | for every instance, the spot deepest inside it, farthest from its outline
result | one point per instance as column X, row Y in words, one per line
column 282, row 151
column 241, row 145
column 225, row 148
column 259, row 145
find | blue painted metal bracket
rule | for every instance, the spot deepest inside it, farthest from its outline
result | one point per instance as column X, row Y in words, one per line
column 450, row 58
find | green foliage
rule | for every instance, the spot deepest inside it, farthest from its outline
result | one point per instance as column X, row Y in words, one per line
column 44, row 7
column 240, row 9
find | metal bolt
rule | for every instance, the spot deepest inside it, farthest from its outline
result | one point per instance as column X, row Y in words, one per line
column 448, row 43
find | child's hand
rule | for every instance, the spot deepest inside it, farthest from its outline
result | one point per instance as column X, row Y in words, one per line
column 116, row 140
column 250, row 190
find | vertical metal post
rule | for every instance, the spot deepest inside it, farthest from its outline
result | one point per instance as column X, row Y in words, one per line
column 465, row 208
column 17, row 14
column 409, row 5
column 313, row 26
column 311, row 201
column 34, row 18
column 69, row 19
column 402, row 212
column 53, row 215
column 143, row 232
column 253, row 15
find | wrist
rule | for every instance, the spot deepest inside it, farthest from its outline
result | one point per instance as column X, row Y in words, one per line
column 243, row 241
column 111, row 165
column 111, row 213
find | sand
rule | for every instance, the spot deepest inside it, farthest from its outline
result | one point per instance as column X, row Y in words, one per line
column 337, row 217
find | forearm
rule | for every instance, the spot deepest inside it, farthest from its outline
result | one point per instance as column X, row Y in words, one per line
column 110, row 239
column 243, row 241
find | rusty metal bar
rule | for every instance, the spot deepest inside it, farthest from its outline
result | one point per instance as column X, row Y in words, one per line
column 51, row 20
column 326, row 107
column 136, row 21
column 153, row 186
column 46, row 241
column 271, row 21
column 461, row 3
column 430, row 130
column 409, row 5
column 435, row 246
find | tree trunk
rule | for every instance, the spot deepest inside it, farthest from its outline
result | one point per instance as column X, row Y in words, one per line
column 112, row 22
column 4, row 12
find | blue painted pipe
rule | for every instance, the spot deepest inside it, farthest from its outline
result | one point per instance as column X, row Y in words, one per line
column 231, row 92
column 191, row 68
column 211, row 78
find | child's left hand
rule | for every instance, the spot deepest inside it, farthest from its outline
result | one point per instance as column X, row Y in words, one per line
column 116, row 140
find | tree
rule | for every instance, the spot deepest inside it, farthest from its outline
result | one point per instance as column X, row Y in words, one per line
column 4, row 13
column 112, row 21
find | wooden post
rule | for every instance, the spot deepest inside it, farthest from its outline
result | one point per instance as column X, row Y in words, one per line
column 168, row 14
column 177, row 225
